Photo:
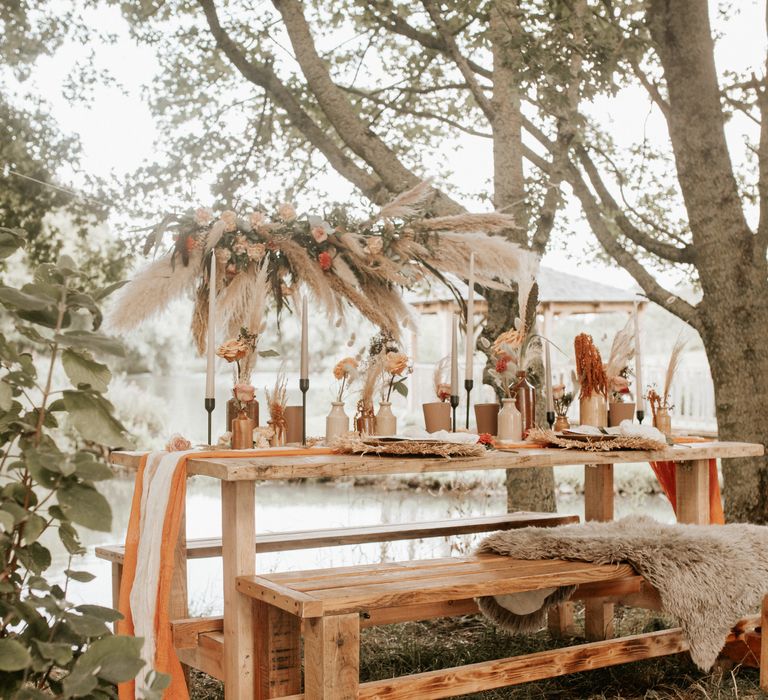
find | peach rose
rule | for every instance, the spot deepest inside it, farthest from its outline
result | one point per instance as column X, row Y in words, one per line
column 511, row 339
column 178, row 443
column 244, row 393
column 286, row 212
column 319, row 234
column 240, row 246
column 558, row 391
column 396, row 363
column 203, row 216
column 255, row 251
column 345, row 367
column 257, row 218
column 230, row 221
column 232, row 350
column 619, row 384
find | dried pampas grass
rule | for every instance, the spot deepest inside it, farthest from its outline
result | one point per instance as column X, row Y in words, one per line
column 153, row 289
column 407, row 204
column 242, row 303
column 622, row 350
column 674, row 362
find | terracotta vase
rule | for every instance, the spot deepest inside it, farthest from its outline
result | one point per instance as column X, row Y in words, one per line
column 251, row 410
column 336, row 422
column 242, row 432
column 561, row 423
column 437, row 416
column 619, row 411
column 386, row 423
column 293, row 424
column 365, row 420
column 663, row 421
column 525, row 400
column 593, row 410
column 510, row 422
column 487, row 418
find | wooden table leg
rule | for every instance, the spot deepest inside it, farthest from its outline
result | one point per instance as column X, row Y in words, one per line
column 178, row 605
column 598, row 505
column 277, row 638
column 332, row 657
column 692, row 492
column 238, row 531
column 764, row 645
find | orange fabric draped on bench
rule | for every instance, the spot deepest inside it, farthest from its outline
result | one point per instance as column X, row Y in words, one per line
column 665, row 473
column 166, row 660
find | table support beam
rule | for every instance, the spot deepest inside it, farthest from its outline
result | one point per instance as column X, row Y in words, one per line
column 598, row 505
column 692, row 492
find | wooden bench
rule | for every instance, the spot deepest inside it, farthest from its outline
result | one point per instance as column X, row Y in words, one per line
column 332, row 605
column 310, row 539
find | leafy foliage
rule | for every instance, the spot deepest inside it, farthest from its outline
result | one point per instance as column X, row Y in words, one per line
column 48, row 645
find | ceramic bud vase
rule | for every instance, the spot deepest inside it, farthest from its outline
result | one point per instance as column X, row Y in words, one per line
column 619, row 411
column 293, row 424
column 663, row 421
column 510, row 422
column 242, row 432
column 561, row 423
column 525, row 400
column 336, row 422
column 251, row 410
column 386, row 423
column 437, row 416
column 593, row 410
column 487, row 418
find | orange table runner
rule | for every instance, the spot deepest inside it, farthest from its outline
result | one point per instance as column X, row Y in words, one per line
column 166, row 660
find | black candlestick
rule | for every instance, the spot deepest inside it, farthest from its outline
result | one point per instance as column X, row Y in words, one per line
column 304, row 386
column 640, row 416
column 210, row 404
column 551, row 418
column 454, row 406
column 468, row 384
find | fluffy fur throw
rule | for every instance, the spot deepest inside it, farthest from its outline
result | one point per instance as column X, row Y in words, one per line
column 707, row 576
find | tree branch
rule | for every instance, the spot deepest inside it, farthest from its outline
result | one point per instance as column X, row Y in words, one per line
column 761, row 246
column 262, row 75
column 461, row 62
column 651, row 88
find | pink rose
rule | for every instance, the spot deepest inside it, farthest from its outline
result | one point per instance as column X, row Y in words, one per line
column 319, row 234
column 178, row 443
column 240, row 246
column 244, row 393
column 257, row 218
column 203, row 216
column 230, row 221
column 558, row 391
column 255, row 251
column 286, row 212
column 619, row 384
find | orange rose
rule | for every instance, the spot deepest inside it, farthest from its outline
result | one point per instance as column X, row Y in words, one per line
column 345, row 367
column 230, row 221
column 396, row 363
column 232, row 350
column 178, row 443
column 286, row 212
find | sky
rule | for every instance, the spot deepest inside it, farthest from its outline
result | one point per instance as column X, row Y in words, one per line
column 118, row 134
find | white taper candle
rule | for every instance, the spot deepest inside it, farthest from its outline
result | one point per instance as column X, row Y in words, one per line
column 639, row 398
column 469, row 363
column 210, row 366
column 304, row 340
column 455, row 356
column 548, row 375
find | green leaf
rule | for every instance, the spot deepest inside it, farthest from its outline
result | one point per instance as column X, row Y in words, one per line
column 86, row 506
column 81, row 368
column 10, row 242
column 104, row 292
column 92, row 416
column 23, row 300
column 106, row 614
column 90, row 469
column 269, row 353
column 7, row 521
column 114, row 659
column 81, row 576
column 401, row 388
column 13, row 655
column 69, row 538
column 34, row 526
column 60, row 653
column 88, row 340
column 6, row 396
column 31, row 694
column 86, row 625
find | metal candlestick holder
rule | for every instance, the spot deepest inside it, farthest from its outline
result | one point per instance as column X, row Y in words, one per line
column 304, row 386
column 640, row 415
column 551, row 419
column 468, row 384
column 210, row 404
column 454, row 406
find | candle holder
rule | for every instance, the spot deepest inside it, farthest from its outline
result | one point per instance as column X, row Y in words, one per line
column 468, row 384
column 551, row 418
column 454, row 406
column 640, row 415
column 304, row 386
column 210, row 404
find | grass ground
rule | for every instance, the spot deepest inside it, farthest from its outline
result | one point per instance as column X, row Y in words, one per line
column 421, row 646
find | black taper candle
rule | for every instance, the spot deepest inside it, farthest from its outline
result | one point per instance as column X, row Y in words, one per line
column 210, row 404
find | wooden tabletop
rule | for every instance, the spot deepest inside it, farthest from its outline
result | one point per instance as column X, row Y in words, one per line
column 266, row 468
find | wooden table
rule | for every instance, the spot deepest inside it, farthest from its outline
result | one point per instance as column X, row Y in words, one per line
column 238, row 503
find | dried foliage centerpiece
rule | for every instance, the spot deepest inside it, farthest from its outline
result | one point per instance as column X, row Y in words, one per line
column 661, row 403
column 618, row 374
column 337, row 421
column 437, row 414
column 263, row 254
column 593, row 382
column 240, row 352
column 277, row 400
column 562, row 400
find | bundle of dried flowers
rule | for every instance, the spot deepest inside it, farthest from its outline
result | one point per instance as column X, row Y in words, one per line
column 398, row 367
column 277, row 399
column 440, row 379
column 589, row 367
column 663, row 401
column 617, row 368
column 561, row 399
column 346, row 372
column 342, row 262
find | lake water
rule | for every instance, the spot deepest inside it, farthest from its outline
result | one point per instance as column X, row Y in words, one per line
column 311, row 504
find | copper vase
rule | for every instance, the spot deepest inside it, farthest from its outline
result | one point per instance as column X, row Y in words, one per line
column 663, row 421
column 487, row 417
column 619, row 411
column 525, row 400
column 437, row 416
column 251, row 410
column 242, row 432
column 593, row 410
column 561, row 423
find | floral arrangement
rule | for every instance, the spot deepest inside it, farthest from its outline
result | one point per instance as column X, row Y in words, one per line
column 343, row 262
column 561, row 400
column 398, row 367
column 346, row 372
column 589, row 367
column 440, row 379
column 617, row 369
column 277, row 399
column 372, row 371
column 663, row 401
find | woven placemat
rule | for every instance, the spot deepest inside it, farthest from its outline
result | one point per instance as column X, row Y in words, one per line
column 619, row 442
column 406, row 448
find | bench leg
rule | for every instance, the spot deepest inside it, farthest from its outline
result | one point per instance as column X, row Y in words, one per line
column 332, row 657
column 117, row 577
column 764, row 645
column 560, row 620
column 277, row 636
column 598, row 505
